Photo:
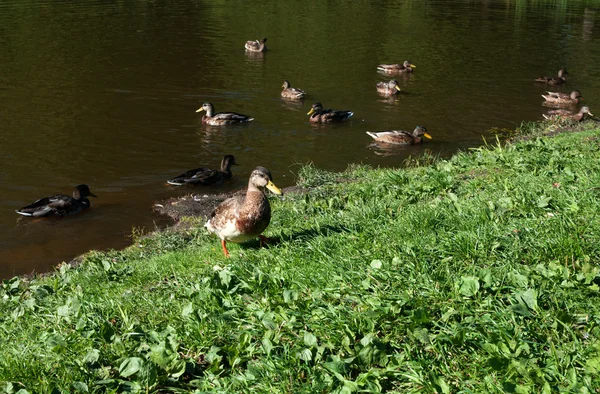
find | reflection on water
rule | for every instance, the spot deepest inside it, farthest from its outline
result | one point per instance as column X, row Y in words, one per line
column 105, row 93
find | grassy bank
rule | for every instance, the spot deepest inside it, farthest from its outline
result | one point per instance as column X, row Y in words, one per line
column 476, row 274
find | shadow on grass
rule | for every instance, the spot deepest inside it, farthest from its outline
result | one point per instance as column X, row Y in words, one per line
column 303, row 235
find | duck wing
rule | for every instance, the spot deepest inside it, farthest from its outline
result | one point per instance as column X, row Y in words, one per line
column 200, row 175
column 333, row 114
column 231, row 117
column 224, row 213
column 58, row 204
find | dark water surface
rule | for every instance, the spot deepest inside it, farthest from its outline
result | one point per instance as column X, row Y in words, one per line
column 105, row 93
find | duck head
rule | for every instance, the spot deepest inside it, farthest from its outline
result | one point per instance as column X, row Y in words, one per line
column 82, row 191
column 421, row 131
column 261, row 178
column 208, row 107
column 316, row 108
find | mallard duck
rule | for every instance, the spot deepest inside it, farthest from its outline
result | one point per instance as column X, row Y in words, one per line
column 555, row 80
column 388, row 88
column 289, row 92
column 241, row 218
column 256, row 46
column 566, row 114
column 59, row 204
column 400, row 137
column 205, row 176
column 320, row 115
column 406, row 67
column 558, row 99
column 221, row 118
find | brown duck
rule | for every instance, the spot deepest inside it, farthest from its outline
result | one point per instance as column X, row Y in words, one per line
column 205, row 176
column 291, row 93
column 558, row 99
column 221, row 118
column 256, row 46
column 406, row 67
column 556, row 80
column 388, row 88
column 400, row 137
column 320, row 115
column 244, row 217
column 566, row 114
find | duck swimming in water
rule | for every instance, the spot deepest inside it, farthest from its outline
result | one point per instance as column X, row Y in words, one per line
column 205, row 176
column 256, row 46
column 320, row 115
column 555, row 80
column 59, row 204
column 291, row 93
column 221, row 118
column 557, row 99
column 400, row 137
column 406, row 67
column 388, row 88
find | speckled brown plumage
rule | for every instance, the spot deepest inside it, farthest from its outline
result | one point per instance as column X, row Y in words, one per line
column 320, row 115
column 240, row 218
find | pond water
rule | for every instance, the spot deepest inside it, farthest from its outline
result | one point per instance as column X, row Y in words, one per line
column 105, row 93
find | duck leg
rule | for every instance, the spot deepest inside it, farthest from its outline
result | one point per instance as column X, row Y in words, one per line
column 224, row 246
column 266, row 240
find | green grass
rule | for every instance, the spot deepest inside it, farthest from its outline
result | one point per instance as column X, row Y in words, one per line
column 475, row 274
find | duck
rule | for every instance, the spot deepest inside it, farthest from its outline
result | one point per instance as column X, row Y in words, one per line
column 554, row 80
column 243, row 217
column 400, row 137
column 388, row 88
column 320, row 115
column 256, row 46
column 221, row 118
column 406, row 67
column 205, row 176
column 566, row 114
column 558, row 99
column 59, row 204
column 289, row 92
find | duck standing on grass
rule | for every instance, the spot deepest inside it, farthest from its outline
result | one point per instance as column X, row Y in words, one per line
column 388, row 88
column 400, row 137
column 291, row 93
column 244, row 217
column 555, row 80
column 221, row 118
column 256, row 46
column 205, row 176
column 59, row 205
column 320, row 115
column 406, row 67
column 566, row 114
column 557, row 99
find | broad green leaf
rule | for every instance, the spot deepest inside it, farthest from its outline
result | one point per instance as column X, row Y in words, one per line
column 80, row 387
column 529, row 297
column 92, row 356
column 267, row 345
column 187, row 309
column 130, row 366
column 469, row 286
column 305, row 355
column 309, row 339
column 376, row 264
